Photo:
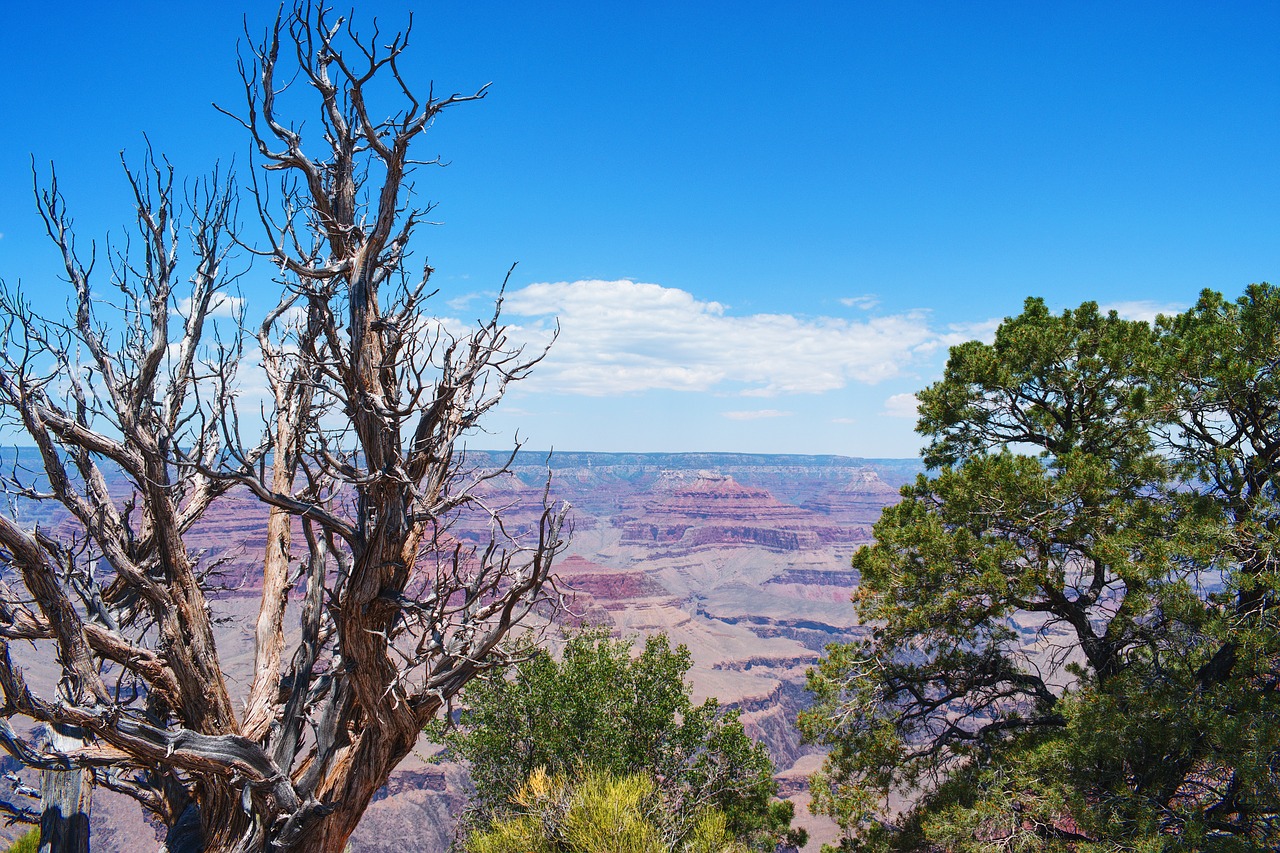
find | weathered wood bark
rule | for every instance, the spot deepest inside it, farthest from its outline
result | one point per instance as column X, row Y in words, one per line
column 358, row 474
column 64, row 811
column 65, row 797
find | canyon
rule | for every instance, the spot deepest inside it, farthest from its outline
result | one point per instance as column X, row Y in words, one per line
column 742, row 558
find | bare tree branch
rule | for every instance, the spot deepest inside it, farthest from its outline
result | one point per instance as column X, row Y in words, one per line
column 134, row 406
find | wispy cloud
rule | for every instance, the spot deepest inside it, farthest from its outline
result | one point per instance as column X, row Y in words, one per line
column 461, row 303
column 959, row 333
column 623, row 336
column 1142, row 309
column 221, row 305
column 901, row 406
column 865, row 302
column 755, row 415
column 982, row 330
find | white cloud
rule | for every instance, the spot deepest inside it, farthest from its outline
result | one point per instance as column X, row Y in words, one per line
column 1142, row 309
column 460, row 303
column 622, row 336
column 222, row 305
column 844, row 420
column 865, row 302
column 982, row 330
column 959, row 333
column 755, row 415
column 901, row 406
column 292, row 317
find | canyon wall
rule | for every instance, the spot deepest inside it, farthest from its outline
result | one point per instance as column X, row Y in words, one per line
column 742, row 558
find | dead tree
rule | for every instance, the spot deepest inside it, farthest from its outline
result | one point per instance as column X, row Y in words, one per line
column 65, row 801
column 132, row 405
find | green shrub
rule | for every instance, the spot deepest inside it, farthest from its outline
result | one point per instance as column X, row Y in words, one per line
column 597, row 813
column 603, row 709
column 29, row 843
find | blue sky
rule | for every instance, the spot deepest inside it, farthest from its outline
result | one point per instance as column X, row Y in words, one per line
column 760, row 225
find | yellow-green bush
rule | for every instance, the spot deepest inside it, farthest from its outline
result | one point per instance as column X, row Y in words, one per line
column 29, row 843
column 598, row 813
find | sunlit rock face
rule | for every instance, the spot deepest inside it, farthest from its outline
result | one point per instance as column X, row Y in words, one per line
column 710, row 509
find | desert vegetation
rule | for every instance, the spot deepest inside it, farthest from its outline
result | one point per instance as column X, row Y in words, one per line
column 600, row 724
column 1074, row 609
column 598, row 813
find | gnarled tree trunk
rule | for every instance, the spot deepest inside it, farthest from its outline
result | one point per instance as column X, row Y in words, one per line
column 358, row 473
column 65, row 797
